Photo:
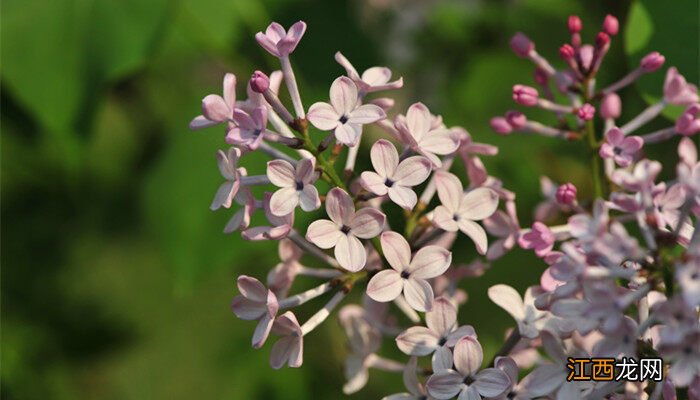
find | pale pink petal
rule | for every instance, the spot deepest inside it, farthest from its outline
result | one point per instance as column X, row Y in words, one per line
column 286, row 324
column 606, row 150
column 476, row 233
column 491, row 382
column 366, row 114
column 439, row 142
column 544, row 379
column 385, row 286
column 247, row 309
column 343, row 95
column 632, row 144
column 291, row 40
column 478, row 204
column 305, row 170
column 224, row 196
column 553, row 347
column 450, row 190
column 308, row 198
column 396, row 250
column 373, row 183
column 281, row 173
column 462, row 331
column 418, row 120
column 323, row 116
column 262, row 331
column 244, row 120
column 442, row 318
column 367, row 223
column 275, row 32
column 356, row 374
column 614, row 136
column 296, row 355
column 230, row 89
column 444, row 219
column 214, row 108
column 412, row 171
column 323, row 233
column 410, row 377
column 201, row 122
column 284, row 201
column 468, row 356
column 384, row 158
column 508, row 299
column 418, row 293
column 350, row 253
column 417, row 341
column 470, row 393
column 429, row 262
column 376, row 76
column 252, row 288
column 267, row 44
column 442, row 359
column 227, row 162
column 509, row 366
column 281, row 351
column 348, row 134
column 339, row 206
column 445, row 384
column 345, row 63
column 403, row 196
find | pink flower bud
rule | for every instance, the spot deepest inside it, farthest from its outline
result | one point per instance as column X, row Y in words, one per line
column 586, row 54
column 575, row 24
column 586, row 112
column 688, row 123
column 610, row 25
column 525, row 95
column 516, row 119
column 501, row 126
column 259, row 82
column 652, row 61
column 566, row 52
column 566, row 194
column 611, row 106
column 541, row 76
column 602, row 40
column 521, row 44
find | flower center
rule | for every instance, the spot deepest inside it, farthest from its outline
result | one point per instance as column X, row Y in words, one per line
column 300, row 186
column 511, row 395
column 388, row 182
column 617, row 151
column 343, row 119
column 442, row 341
column 257, row 132
column 405, row 274
column 468, row 380
column 345, row 229
column 455, row 218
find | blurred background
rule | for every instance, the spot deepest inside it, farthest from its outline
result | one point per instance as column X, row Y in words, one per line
column 116, row 276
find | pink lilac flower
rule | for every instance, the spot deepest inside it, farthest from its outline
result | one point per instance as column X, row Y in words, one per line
column 540, row 238
column 345, row 229
column 441, row 331
column 416, row 130
column 289, row 349
column 516, row 390
column 611, row 106
column 408, row 274
column 241, row 218
column 278, row 42
column 667, row 204
column 586, row 112
column 281, row 277
column 249, row 129
column 566, row 194
column 393, row 177
column 255, row 303
column 501, row 125
column 677, row 90
column 469, row 151
column 217, row 109
column 620, row 148
column 640, row 179
column 530, row 320
column 505, row 226
column 466, row 381
column 374, row 79
column 688, row 123
column 459, row 210
column 279, row 226
column 652, row 61
column 344, row 115
column 296, row 186
column 525, row 95
column 228, row 166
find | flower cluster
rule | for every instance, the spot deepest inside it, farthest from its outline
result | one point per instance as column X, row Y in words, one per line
column 604, row 291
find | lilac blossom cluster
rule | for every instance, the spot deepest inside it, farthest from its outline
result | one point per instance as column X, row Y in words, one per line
column 604, row 293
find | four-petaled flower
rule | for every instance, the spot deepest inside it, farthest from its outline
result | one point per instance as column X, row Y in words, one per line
column 228, row 166
column 217, row 109
column 249, row 128
column 373, row 79
column 279, row 42
column 416, row 130
column 345, row 229
column 255, row 302
column 620, row 148
column 345, row 115
column 289, row 348
column 459, row 210
column 540, row 238
column 408, row 275
column 297, row 186
column 393, row 177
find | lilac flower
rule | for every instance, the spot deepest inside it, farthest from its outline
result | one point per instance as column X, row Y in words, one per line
column 688, row 277
column 540, row 238
column 688, row 123
column 469, row 151
column 620, row 342
column 417, row 131
column 530, row 320
column 393, row 177
column 525, row 95
column 279, row 42
column 345, row 229
column 684, row 357
column 459, row 210
column 255, row 303
column 566, row 194
column 677, row 90
column 667, row 203
column 586, row 112
column 374, row 79
column 467, row 381
column 228, row 166
column 279, row 226
column 289, row 349
column 652, row 61
column 344, row 115
column 249, row 129
column 217, row 109
column 441, row 331
column 506, row 227
column 417, row 391
column 281, row 277
column 516, row 390
column 611, row 106
column 297, row 186
column 640, row 179
column 549, row 208
column 408, row 274
column 620, row 148
column 364, row 342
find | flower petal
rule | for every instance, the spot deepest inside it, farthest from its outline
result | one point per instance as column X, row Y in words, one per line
column 440, row 141
column 444, row 219
column 385, row 286
column 444, row 385
column 544, row 380
column 323, row 233
column 508, row 299
column 367, row 223
column 343, row 95
column 252, row 288
column 429, row 262
column 262, row 331
column 373, row 182
column 308, row 198
column 476, row 233
column 339, row 206
column 442, row 318
column 442, row 359
column 281, row 173
column 418, row 120
column 468, row 356
column 376, row 76
column 478, row 204
column 201, row 122
column 323, row 116
column 281, row 351
column 491, row 382
column 418, row 293
column 348, row 134
column 305, row 170
column 396, row 250
column 366, row 114
column 412, row 171
column 384, row 158
column 403, row 196
column 284, row 201
column 350, row 253
column 247, row 309
column 450, row 190
column 214, row 108
column 417, row 341
column 224, row 195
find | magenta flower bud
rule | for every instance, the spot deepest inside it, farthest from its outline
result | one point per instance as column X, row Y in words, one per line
column 611, row 106
column 602, row 40
column 516, row 119
column 541, row 76
column 566, row 194
column 259, row 82
column 501, row 126
column 688, row 123
column 521, row 44
column 575, row 24
column 566, row 52
column 586, row 112
column 525, row 95
column 610, row 25
column 652, row 61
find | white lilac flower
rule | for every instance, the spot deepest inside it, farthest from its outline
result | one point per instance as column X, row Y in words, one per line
column 418, row 131
column 296, row 186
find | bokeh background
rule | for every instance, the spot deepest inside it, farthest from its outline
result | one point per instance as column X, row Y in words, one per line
column 116, row 277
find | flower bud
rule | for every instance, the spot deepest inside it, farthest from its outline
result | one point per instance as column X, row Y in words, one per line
column 566, row 194
column 259, row 82
column 516, row 119
column 541, row 76
column 652, row 61
column 521, row 44
column 688, row 123
column 575, row 24
column 501, row 126
column 586, row 112
column 525, row 95
column 566, row 52
column 611, row 25
column 611, row 106
column 601, row 40
column 586, row 54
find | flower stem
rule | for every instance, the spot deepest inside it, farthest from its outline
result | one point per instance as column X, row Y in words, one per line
column 508, row 346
